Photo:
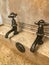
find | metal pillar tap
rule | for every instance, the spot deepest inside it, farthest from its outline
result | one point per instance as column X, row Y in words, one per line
column 14, row 25
column 40, row 35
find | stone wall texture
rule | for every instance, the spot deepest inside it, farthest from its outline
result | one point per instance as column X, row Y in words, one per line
column 29, row 11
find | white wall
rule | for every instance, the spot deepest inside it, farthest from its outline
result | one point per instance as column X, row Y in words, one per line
column 1, row 22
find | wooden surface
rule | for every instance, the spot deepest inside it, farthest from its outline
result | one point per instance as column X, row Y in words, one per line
column 40, row 57
column 9, row 57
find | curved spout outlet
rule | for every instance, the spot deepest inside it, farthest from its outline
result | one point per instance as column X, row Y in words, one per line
column 7, row 34
column 38, row 41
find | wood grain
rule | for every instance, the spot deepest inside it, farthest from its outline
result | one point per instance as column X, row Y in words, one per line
column 40, row 57
column 9, row 57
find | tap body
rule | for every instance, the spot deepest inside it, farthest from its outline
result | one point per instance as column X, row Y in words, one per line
column 14, row 25
column 40, row 35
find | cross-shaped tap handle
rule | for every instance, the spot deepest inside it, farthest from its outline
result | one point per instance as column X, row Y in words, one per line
column 42, row 22
column 12, row 15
